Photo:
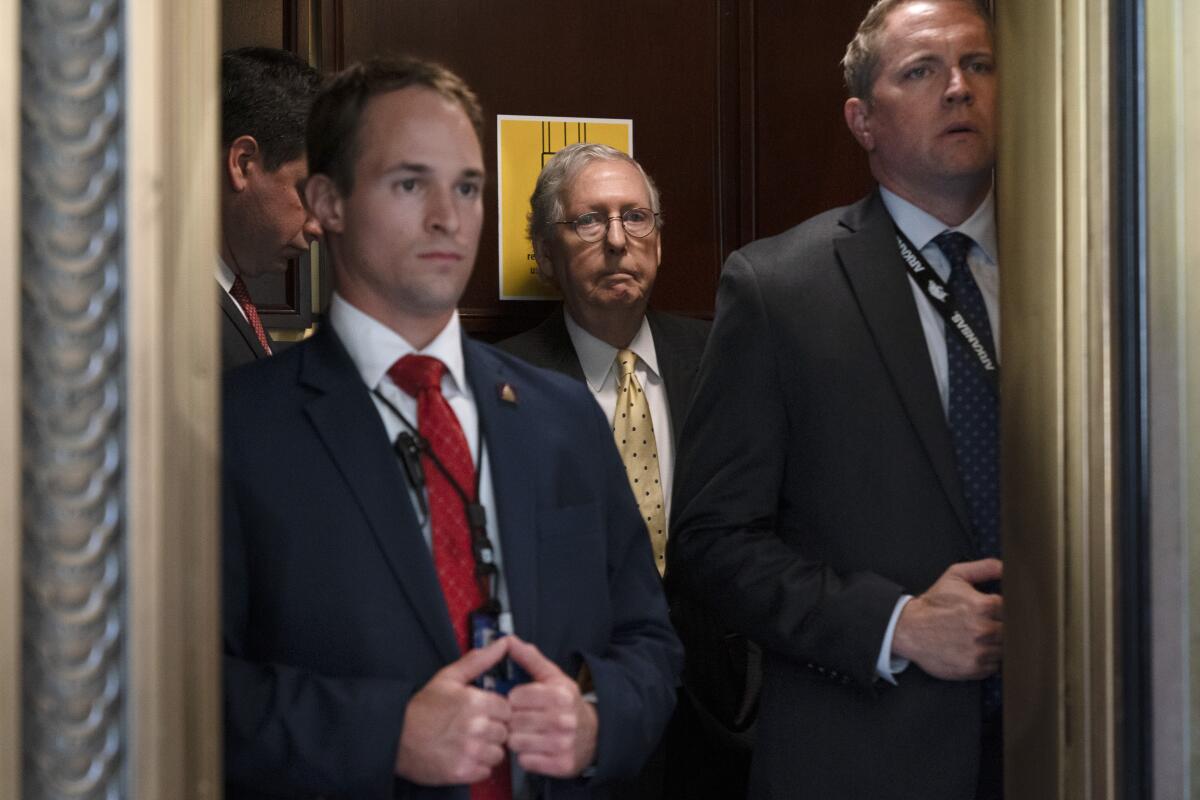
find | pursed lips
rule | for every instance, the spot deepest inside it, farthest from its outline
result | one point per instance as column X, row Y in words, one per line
column 959, row 127
column 620, row 274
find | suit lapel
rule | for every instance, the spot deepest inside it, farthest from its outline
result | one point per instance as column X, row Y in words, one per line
column 678, row 373
column 871, row 261
column 506, row 430
column 561, row 355
column 234, row 315
column 348, row 424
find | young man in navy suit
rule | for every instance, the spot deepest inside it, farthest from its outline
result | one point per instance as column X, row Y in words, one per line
column 396, row 494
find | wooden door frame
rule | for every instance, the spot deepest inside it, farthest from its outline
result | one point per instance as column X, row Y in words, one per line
column 1058, row 409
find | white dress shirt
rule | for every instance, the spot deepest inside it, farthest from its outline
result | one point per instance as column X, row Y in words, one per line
column 598, row 359
column 225, row 278
column 922, row 228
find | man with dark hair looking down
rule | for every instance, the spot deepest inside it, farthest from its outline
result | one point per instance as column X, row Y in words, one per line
column 265, row 98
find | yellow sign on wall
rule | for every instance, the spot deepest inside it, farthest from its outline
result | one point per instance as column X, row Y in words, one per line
column 523, row 146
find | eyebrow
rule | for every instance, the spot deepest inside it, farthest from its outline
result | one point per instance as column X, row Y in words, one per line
column 924, row 58
column 408, row 166
column 425, row 169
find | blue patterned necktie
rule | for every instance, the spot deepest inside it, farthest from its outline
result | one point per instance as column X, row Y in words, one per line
column 974, row 415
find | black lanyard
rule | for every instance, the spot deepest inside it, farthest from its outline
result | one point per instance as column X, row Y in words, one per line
column 934, row 288
column 410, row 445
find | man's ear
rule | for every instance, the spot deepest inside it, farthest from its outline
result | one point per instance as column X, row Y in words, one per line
column 241, row 154
column 858, row 120
column 323, row 199
column 545, row 265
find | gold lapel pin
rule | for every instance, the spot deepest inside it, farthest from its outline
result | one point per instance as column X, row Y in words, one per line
column 507, row 393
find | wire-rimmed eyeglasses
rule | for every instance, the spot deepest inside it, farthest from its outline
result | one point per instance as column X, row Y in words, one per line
column 593, row 226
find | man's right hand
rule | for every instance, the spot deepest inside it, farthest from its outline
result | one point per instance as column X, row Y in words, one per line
column 453, row 732
column 953, row 631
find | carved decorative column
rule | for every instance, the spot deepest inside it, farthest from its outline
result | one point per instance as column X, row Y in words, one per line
column 109, row 643
column 72, row 400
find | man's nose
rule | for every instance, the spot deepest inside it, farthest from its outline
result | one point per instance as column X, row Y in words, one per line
column 312, row 228
column 441, row 213
column 958, row 90
column 614, row 235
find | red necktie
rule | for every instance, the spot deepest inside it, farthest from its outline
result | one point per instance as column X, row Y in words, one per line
column 421, row 377
column 238, row 292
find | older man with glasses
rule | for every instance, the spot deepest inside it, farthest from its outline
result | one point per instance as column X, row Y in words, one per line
column 595, row 225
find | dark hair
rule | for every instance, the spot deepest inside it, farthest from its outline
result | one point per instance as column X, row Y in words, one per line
column 267, row 93
column 861, row 62
column 337, row 112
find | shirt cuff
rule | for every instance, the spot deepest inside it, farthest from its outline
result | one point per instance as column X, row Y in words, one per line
column 888, row 666
column 590, row 770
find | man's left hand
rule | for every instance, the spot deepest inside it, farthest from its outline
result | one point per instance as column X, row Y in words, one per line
column 553, row 729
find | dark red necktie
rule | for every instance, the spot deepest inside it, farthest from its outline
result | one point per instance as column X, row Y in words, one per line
column 421, row 377
column 239, row 293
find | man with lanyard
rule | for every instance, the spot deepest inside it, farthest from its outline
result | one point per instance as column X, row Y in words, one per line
column 398, row 497
column 839, row 476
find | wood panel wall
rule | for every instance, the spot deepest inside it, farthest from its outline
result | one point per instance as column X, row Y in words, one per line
column 736, row 106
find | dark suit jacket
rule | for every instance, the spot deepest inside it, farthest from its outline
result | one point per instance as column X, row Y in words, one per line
column 679, row 342
column 239, row 345
column 817, row 484
column 707, row 742
column 333, row 616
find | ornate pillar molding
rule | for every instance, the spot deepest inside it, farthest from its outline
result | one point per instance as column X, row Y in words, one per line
column 109, row 642
column 73, row 393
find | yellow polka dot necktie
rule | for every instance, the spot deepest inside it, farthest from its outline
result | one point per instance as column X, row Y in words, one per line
column 633, row 429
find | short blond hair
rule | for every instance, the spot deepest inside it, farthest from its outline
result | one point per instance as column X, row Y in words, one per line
column 860, row 65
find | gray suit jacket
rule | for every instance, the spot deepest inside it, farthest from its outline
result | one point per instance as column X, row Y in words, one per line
column 817, row 483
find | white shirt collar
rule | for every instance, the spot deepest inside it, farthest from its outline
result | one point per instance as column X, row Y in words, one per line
column 921, row 227
column 597, row 357
column 374, row 347
column 224, row 275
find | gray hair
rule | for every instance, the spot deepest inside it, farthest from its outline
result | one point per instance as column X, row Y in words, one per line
column 860, row 65
column 546, row 202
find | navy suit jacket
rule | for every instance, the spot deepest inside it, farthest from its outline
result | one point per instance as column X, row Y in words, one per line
column 817, row 483
column 333, row 616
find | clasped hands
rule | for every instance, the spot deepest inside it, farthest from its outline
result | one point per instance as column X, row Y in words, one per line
column 455, row 733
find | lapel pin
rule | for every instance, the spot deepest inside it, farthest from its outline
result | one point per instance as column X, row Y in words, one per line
column 507, row 393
